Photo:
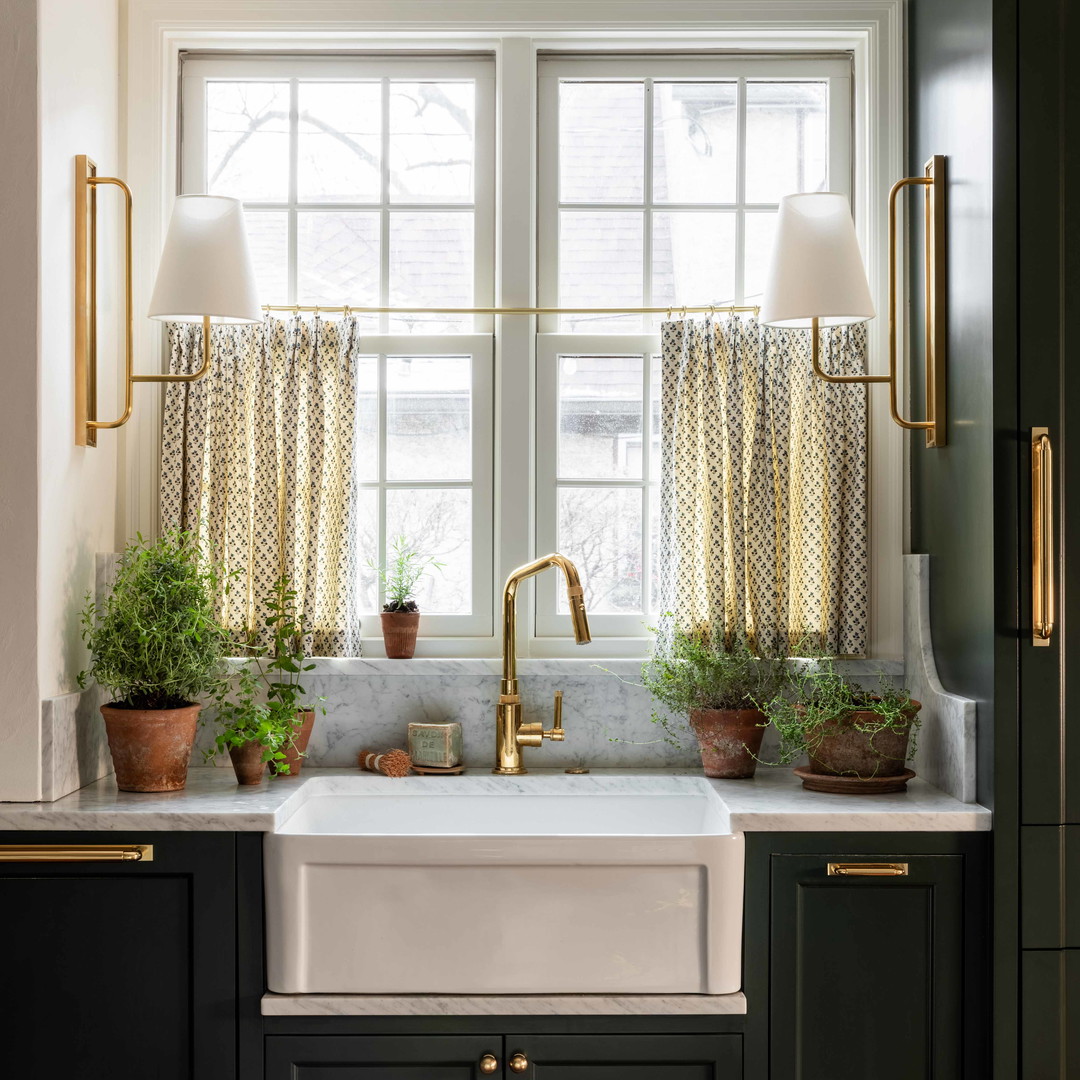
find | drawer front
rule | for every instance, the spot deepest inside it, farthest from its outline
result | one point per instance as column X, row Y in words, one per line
column 1050, row 886
column 381, row 1057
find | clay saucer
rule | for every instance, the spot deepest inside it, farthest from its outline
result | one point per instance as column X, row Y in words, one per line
column 852, row 785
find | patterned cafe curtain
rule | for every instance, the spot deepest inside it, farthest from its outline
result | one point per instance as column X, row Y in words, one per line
column 258, row 456
column 763, row 495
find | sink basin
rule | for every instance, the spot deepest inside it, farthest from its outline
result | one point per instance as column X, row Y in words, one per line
column 512, row 885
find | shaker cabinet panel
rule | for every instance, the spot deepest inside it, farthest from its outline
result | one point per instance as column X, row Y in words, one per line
column 1050, row 886
column 1050, row 1015
column 627, row 1057
column 380, row 1057
column 120, row 968
column 866, row 972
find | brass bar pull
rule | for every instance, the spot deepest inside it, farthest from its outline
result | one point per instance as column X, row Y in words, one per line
column 1043, row 600
column 867, row 869
column 42, row 853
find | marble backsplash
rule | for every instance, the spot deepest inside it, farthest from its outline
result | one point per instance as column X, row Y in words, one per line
column 608, row 718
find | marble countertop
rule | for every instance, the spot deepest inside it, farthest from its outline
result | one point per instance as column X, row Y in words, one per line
column 212, row 802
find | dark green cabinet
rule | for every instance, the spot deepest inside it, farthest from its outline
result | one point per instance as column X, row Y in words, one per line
column 1050, row 1014
column 121, row 968
column 866, row 973
column 540, row 1057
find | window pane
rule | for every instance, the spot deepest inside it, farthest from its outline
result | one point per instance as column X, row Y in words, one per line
column 366, row 459
column 600, row 260
column 367, row 546
column 339, row 141
column 601, row 142
column 786, row 139
column 600, row 417
column 694, row 142
column 760, row 230
column 428, row 418
column 693, row 257
column 431, row 141
column 600, row 531
column 247, row 140
column 337, row 258
column 268, row 237
column 431, row 265
column 437, row 522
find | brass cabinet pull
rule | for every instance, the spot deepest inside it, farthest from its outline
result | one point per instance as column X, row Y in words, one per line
column 489, row 1063
column 867, row 869
column 39, row 853
column 519, row 1063
column 1042, row 537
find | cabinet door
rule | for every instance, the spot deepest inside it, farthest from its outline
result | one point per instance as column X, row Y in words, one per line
column 1050, row 1019
column 380, row 1057
column 866, row 972
column 120, row 969
column 627, row 1057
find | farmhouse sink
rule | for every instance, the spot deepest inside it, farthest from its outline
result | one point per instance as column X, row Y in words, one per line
column 497, row 885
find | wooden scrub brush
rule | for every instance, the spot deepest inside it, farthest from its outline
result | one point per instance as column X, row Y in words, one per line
column 389, row 762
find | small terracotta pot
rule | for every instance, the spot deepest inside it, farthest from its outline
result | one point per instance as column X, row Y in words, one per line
column 150, row 747
column 729, row 740
column 399, row 633
column 247, row 762
column 846, row 751
column 294, row 751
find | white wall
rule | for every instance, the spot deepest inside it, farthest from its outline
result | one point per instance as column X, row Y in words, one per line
column 59, row 96
column 20, row 752
column 78, row 49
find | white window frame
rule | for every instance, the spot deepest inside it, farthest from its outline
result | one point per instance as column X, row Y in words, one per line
column 196, row 72
column 156, row 32
column 552, row 342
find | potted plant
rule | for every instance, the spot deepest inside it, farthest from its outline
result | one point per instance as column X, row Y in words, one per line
column 253, row 731
column 400, row 613
column 156, row 648
column 286, row 662
column 854, row 738
column 718, row 691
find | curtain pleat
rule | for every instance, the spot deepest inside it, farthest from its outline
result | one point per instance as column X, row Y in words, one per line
column 258, row 457
column 763, row 500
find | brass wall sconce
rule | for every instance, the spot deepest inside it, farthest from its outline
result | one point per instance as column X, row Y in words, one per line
column 817, row 279
column 205, row 274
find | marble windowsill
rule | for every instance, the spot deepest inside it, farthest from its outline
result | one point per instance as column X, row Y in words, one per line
column 772, row 802
column 504, row 1005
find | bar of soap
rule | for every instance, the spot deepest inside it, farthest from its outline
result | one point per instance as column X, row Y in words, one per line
column 436, row 745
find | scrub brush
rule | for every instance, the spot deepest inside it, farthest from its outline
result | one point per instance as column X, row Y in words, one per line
column 389, row 762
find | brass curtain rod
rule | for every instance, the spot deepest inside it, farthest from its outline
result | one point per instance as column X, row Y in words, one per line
column 713, row 309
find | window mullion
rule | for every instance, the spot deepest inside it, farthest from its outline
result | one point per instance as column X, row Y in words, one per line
column 384, row 213
column 292, row 249
column 740, row 192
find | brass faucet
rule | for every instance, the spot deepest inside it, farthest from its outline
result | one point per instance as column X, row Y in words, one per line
column 510, row 733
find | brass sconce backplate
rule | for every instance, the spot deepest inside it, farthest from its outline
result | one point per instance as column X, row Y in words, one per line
column 936, row 298
column 85, row 301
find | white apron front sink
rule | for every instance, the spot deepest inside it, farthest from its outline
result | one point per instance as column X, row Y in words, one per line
column 505, row 885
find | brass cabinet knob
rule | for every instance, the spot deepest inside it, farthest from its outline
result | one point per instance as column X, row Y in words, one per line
column 519, row 1063
column 489, row 1063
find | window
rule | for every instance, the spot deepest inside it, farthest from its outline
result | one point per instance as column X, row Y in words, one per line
column 370, row 181
column 660, row 182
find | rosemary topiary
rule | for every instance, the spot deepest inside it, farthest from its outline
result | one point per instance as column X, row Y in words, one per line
column 154, row 641
column 404, row 568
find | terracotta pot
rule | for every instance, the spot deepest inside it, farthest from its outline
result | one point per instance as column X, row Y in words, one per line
column 729, row 739
column 294, row 751
column 846, row 751
column 247, row 762
column 150, row 747
column 399, row 633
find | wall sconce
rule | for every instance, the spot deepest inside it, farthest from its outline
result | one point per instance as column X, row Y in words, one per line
column 205, row 274
column 817, row 279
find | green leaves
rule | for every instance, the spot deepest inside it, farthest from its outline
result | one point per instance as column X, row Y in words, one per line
column 154, row 640
column 399, row 578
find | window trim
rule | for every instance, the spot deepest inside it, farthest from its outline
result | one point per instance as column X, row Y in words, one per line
column 155, row 35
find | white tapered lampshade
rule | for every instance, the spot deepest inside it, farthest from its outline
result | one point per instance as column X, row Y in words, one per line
column 205, row 265
column 816, row 269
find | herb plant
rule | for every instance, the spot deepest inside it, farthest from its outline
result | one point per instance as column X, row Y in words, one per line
column 154, row 641
column 286, row 662
column 404, row 568
column 817, row 698
column 245, row 718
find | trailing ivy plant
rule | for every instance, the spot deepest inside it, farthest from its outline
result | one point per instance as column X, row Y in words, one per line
column 154, row 641
column 692, row 671
column 404, row 569
column 816, row 698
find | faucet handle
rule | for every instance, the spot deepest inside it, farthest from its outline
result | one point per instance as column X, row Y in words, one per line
column 556, row 734
column 535, row 734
